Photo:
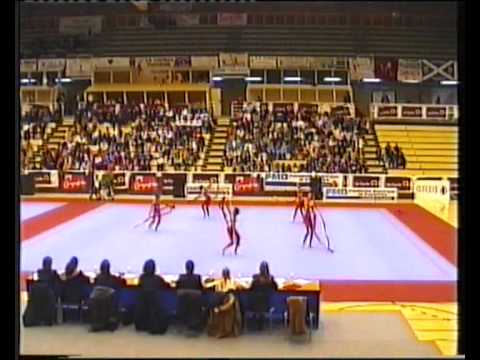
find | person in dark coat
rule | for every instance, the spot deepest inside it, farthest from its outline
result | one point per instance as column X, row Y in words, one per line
column 49, row 276
column 149, row 315
column 73, row 283
column 40, row 309
column 262, row 287
column 190, row 307
column 189, row 280
column 103, row 302
column 106, row 279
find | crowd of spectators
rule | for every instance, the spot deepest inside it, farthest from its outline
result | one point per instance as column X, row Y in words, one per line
column 322, row 142
column 70, row 288
column 140, row 137
column 394, row 158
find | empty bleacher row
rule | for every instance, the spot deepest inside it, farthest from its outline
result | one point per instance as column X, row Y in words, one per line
column 429, row 150
column 261, row 40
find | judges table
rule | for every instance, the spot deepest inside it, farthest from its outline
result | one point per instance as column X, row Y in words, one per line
column 128, row 295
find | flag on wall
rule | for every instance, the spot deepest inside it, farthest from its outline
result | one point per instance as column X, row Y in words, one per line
column 409, row 70
column 361, row 68
column 386, row 68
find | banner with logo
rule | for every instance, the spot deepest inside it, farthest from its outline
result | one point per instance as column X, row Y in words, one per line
column 204, row 62
column 74, row 182
column 45, row 179
column 165, row 62
column 51, row 64
column 247, row 185
column 387, row 111
column 231, row 19
column 183, row 62
column 436, row 112
column 263, row 62
column 187, row 19
column 79, row 68
column 439, row 70
column 351, row 194
column 144, row 183
column 293, row 62
column 233, row 60
column 28, row 65
column 399, row 182
column 409, row 70
column 146, row 71
column 120, row 180
column 414, row 112
column 205, row 178
column 453, row 188
column 361, row 181
column 107, row 63
column 361, row 68
column 386, row 68
column 328, row 63
column 340, row 111
column 80, row 25
column 286, row 181
column 332, row 181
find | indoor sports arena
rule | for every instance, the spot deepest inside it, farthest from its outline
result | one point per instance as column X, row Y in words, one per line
column 239, row 179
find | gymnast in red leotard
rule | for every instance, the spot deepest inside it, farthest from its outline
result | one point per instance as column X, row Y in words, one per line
column 223, row 205
column 207, row 199
column 298, row 204
column 155, row 214
column 310, row 221
column 232, row 231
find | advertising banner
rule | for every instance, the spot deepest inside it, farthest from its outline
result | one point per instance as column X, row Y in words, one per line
column 453, row 188
column 144, row 183
column 79, row 68
column 350, row 194
column 363, row 181
column 107, row 63
column 183, row 62
column 204, row 62
column 293, row 62
column 74, row 182
column 233, row 60
column 28, row 65
column 387, row 111
column 247, row 185
column 187, row 19
column 386, row 68
column 414, row 112
column 361, row 68
column 285, row 181
column 409, row 70
column 45, row 179
column 263, row 62
column 51, row 64
column 436, row 112
column 399, row 182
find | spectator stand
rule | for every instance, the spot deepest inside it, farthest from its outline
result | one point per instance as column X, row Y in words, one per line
column 290, row 137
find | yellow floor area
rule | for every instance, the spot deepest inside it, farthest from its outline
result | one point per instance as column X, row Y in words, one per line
column 445, row 211
column 430, row 322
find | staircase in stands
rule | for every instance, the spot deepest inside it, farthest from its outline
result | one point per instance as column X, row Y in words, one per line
column 216, row 146
column 371, row 146
column 54, row 139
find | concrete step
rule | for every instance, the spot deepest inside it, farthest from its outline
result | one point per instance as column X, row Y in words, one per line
column 214, row 160
column 56, row 141
column 212, row 168
column 215, row 153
